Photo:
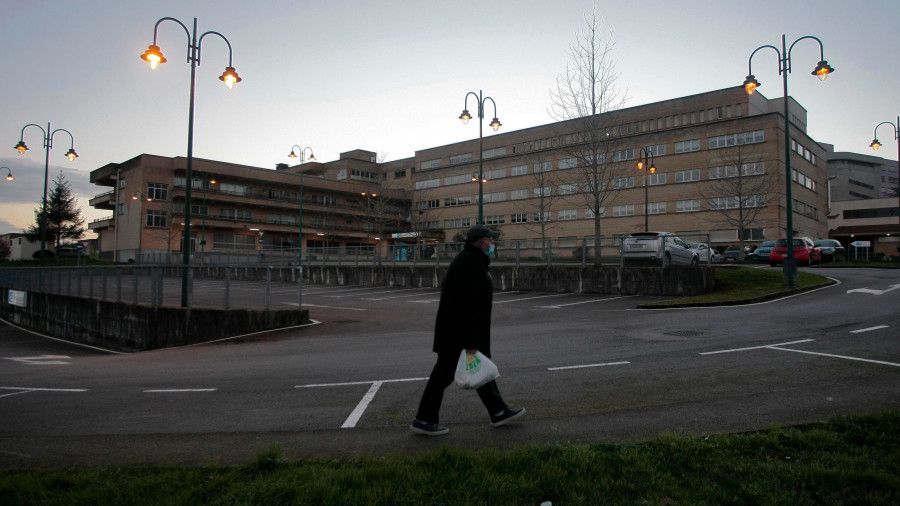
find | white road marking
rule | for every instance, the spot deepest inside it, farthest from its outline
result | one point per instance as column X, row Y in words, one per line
column 756, row 347
column 872, row 291
column 327, row 307
column 179, row 390
column 558, row 306
column 357, row 413
column 42, row 360
column 19, row 390
column 838, row 356
column 537, row 297
column 585, row 366
column 879, row 327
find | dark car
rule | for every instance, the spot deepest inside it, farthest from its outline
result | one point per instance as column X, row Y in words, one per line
column 761, row 253
column 832, row 251
column 805, row 251
column 734, row 253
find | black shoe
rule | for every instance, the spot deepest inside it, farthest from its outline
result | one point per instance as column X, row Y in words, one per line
column 427, row 428
column 505, row 416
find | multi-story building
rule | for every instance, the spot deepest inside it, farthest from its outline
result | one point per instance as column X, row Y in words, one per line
column 719, row 160
column 856, row 176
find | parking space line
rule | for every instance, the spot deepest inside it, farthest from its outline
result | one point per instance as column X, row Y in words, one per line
column 360, row 408
column 879, row 327
column 558, row 306
column 179, row 390
column 837, row 356
column 756, row 347
column 538, row 297
column 585, row 366
column 328, row 307
column 20, row 390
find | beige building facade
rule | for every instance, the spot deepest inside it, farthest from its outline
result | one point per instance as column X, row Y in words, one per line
column 720, row 172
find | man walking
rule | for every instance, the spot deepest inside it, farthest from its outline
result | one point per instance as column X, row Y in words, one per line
column 463, row 323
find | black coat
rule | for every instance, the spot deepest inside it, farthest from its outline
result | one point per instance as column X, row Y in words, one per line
column 464, row 313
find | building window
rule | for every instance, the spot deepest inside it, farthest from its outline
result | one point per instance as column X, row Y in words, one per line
column 493, row 197
column 122, row 182
column 658, row 150
column 458, row 223
column 625, row 210
column 518, row 170
column 724, row 141
column 567, row 214
column 235, row 189
column 457, row 159
column 518, row 194
column 156, row 219
column 399, row 173
column 687, row 206
column 458, row 179
column 431, row 164
column 428, row 183
column 428, row 204
column 158, row 191
column 519, row 218
column 495, row 220
column 656, row 179
column 623, row 182
column 687, row 146
column 235, row 214
column 234, row 241
column 493, row 153
column 543, row 191
column 686, row 176
column 623, row 154
column 457, row 201
column 655, row 208
column 568, row 163
column 567, row 189
column 589, row 213
column 542, row 217
column 495, row 174
column 542, row 167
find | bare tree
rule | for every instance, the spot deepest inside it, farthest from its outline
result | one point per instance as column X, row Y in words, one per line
column 738, row 187
column 544, row 195
column 584, row 97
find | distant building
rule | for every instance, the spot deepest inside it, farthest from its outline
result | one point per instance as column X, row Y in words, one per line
column 533, row 176
column 860, row 176
column 20, row 248
column 876, row 221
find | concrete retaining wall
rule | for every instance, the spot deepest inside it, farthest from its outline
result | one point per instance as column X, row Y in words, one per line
column 127, row 327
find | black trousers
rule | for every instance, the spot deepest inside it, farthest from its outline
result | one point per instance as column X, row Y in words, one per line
column 441, row 377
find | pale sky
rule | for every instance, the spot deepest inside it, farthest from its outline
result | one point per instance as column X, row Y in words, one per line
column 391, row 76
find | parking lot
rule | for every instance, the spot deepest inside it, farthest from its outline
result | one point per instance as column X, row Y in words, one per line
column 587, row 368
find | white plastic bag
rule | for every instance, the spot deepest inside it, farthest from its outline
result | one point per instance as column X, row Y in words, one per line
column 474, row 370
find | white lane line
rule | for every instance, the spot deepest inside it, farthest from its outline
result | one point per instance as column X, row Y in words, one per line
column 397, row 296
column 585, row 366
column 327, row 307
column 19, row 390
column 179, row 390
column 879, row 327
column 357, row 413
column 354, row 417
column 395, row 290
column 42, row 360
column 837, row 356
column 756, row 347
column 532, row 298
column 558, row 306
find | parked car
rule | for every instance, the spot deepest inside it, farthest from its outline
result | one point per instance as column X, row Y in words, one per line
column 831, row 250
column 662, row 248
column 71, row 251
column 734, row 253
column 761, row 253
column 705, row 254
column 805, row 251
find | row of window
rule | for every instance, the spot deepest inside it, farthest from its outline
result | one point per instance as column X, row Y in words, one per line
column 803, row 151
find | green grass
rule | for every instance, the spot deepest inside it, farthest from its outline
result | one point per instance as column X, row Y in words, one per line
column 848, row 460
column 736, row 284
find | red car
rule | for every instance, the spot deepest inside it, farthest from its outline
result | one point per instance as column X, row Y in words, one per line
column 805, row 251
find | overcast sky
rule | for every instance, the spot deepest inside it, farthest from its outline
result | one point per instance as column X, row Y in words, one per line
column 390, row 76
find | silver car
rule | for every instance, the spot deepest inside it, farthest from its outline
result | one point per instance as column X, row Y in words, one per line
column 661, row 248
column 704, row 253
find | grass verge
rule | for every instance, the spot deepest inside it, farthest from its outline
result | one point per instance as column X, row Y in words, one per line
column 847, row 460
column 736, row 284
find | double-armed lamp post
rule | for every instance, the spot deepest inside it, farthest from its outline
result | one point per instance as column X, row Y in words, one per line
column 48, row 144
column 141, row 198
column 495, row 124
column 646, row 160
column 821, row 71
column 875, row 145
column 312, row 158
column 153, row 56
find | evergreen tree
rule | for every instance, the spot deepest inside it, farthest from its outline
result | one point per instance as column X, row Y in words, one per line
column 62, row 216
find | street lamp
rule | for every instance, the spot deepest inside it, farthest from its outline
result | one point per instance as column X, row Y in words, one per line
column 369, row 196
column 647, row 161
column 9, row 176
column 211, row 180
column 48, row 144
column 495, row 124
column 750, row 84
column 312, row 158
column 875, row 145
column 154, row 57
column 140, row 197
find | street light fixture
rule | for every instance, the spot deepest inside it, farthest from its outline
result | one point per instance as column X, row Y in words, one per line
column 141, row 198
column 9, row 176
column 822, row 70
column 312, row 158
column 495, row 124
column 647, row 161
column 875, row 145
column 153, row 55
column 210, row 181
column 369, row 196
column 48, row 144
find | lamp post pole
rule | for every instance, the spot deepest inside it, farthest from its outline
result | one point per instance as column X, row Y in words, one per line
column 875, row 145
column 647, row 161
column 368, row 195
column 750, row 84
column 154, row 57
column 48, row 144
column 312, row 157
column 140, row 198
column 495, row 124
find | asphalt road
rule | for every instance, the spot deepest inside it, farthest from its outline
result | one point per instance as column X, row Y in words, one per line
column 587, row 368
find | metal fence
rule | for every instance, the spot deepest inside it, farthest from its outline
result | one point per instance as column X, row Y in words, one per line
column 158, row 278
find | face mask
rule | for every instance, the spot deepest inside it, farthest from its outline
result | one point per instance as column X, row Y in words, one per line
column 490, row 251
